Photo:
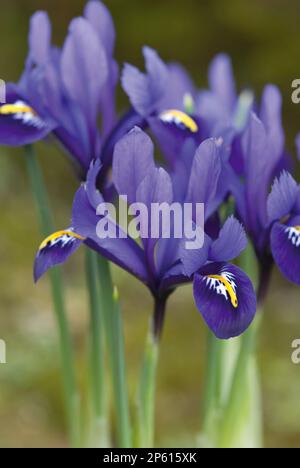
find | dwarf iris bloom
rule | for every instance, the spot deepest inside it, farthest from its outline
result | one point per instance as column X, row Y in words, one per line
column 223, row 293
column 64, row 91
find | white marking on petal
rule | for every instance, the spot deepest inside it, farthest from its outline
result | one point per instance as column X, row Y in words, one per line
column 293, row 235
column 223, row 285
column 29, row 117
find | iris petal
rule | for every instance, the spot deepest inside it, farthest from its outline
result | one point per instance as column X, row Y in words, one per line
column 20, row 124
column 55, row 250
column 225, row 297
column 285, row 245
column 283, row 196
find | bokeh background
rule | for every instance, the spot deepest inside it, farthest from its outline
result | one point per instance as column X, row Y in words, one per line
column 263, row 39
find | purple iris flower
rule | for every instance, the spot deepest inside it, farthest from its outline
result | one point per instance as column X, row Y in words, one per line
column 159, row 96
column 260, row 156
column 284, row 215
column 65, row 91
column 223, row 293
column 167, row 99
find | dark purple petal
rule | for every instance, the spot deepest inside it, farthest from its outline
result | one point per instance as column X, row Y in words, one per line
column 298, row 145
column 283, row 197
column 54, row 250
column 146, row 90
column 173, row 277
column 19, row 122
column 182, row 169
column 225, row 297
column 285, row 246
column 237, row 157
column 258, row 157
column 133, row 159
column 167, row 254
column 126, row 123
column 205, row 173
column 84, row 67
column 231, row 242
column 100, row 18
column 297, row 207
column 172, row 129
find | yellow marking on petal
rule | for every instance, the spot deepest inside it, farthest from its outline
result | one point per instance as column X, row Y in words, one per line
column 179, row 116
column 229, row 289
column 8, row 109
column 297, row 228
column 57, row 235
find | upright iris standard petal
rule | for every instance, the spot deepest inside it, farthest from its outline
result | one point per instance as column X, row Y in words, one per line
column 146, row 90
column 222, row 82
column 283, row 197
column 19, row 122
column 100, row 18
column 180, row 90
column 55, row 250
column 257, row 158
column 231, row 242
column 155, row 189
column 133, row 160
column 84, row 67
column 270, row 115
column 205, row 173
column 285, row 246
column 225, row 297
column 39, row 38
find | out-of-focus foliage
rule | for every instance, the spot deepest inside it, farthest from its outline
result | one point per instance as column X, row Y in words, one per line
column 262, row 37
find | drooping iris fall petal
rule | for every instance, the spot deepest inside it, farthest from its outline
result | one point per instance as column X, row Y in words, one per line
column 20, row 124
column 283, row 196
column 225, row 297
column 285, row 246
column 55, row 250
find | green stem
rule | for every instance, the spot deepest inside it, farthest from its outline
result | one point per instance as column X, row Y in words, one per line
column 99, row 434
column 146, row 394
column 232, row 412
column 212, row 392
column 72, row 399
column 242, row 409
column 115, row 345
column 147, row 385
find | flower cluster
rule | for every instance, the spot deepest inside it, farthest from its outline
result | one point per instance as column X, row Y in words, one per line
column 217, row 145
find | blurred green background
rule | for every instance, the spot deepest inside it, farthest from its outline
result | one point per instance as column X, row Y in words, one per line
column 263, row 39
